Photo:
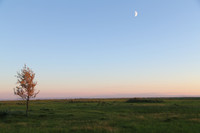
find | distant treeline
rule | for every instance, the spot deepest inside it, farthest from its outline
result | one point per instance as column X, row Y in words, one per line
column 144, row 100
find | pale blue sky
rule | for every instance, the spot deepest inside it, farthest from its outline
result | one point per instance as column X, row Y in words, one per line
column 93, row 48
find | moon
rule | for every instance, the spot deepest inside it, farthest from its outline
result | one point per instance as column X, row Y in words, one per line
column 136, row 13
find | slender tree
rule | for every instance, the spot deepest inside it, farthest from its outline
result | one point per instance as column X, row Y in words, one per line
column 26, row 88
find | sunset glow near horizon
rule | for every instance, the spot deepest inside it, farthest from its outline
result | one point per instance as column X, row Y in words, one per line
column 86, row 49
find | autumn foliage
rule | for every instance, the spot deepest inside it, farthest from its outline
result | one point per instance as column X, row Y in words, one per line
column 26, row 88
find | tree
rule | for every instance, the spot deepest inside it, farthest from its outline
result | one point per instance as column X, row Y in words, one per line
column 26, row 88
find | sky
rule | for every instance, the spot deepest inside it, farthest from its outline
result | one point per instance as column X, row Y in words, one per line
column 98, row 48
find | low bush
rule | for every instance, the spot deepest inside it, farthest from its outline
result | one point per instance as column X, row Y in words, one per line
column 4, row 113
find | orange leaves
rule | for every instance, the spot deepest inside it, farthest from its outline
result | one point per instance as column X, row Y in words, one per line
column 26, row 88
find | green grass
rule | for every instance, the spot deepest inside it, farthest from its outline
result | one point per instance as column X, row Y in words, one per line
column 172, row 115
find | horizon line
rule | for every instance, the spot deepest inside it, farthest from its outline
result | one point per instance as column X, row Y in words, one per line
column 123, row 97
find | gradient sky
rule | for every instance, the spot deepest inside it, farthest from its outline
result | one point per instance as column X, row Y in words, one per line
column 97, row 48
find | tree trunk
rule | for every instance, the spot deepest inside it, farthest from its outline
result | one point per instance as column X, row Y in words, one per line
column 27, row 106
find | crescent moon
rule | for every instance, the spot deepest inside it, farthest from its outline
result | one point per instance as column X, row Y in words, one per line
column 136, row 13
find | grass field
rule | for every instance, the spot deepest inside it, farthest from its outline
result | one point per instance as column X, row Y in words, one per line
column 169, row 115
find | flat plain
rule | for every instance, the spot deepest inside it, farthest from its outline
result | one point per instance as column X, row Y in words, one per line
column 150, row 115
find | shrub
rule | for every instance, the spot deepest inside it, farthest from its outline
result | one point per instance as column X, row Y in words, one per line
column 4, row 113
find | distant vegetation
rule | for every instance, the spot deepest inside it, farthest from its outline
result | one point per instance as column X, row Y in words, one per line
column 172, row 115
column 144, row 100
